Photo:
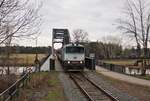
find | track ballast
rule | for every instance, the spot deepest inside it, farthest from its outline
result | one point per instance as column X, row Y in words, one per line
column 90, row 89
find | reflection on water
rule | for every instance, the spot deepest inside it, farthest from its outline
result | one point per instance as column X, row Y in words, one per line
column 135, row 71
column 15, row 70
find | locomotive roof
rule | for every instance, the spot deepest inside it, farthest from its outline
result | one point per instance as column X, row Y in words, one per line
column 73, row 45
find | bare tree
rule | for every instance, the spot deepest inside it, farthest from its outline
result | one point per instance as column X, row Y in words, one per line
column 112, row 39
column 137, row 24
column 79, row 35
column 111, row 46
column 18, row 19
column 21, row 18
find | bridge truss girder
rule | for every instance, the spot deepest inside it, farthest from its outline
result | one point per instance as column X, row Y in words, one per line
column 60, row 36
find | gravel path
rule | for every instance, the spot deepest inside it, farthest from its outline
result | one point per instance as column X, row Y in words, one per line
column 71, row 91
column 123, row 77
column 122, row 96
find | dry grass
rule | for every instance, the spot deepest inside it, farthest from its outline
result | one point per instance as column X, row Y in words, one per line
column 6, row 81
column 121, row 62
column 43, row 86
column 22, row 59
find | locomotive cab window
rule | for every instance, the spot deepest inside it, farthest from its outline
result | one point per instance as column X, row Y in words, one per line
column 74, row 50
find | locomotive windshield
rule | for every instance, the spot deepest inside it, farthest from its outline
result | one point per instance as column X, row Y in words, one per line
column 74, row 50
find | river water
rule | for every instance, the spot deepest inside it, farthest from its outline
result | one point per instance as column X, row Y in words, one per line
column 135, row 71
column 16, row 70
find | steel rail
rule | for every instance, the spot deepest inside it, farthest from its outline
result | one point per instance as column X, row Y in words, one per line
column 95, row 85
column 101, row 89
column 83, row 91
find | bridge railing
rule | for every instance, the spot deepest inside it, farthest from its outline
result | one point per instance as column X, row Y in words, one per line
column 12, row 93
column 43, row 60
column 113, row 67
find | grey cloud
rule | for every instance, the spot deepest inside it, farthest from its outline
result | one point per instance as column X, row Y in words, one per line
column 94, row 16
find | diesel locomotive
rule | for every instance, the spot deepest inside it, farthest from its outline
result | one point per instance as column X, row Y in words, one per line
column 72, row 57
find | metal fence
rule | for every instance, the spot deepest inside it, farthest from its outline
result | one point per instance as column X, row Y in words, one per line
column 128, row 70
column 12, row 93
column 113, row 67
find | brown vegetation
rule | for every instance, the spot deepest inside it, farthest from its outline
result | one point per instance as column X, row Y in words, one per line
column 6, row 81
column 21, row 59
column 44, row 86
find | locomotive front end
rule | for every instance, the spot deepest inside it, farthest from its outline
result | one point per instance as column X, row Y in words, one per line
column 74, row 57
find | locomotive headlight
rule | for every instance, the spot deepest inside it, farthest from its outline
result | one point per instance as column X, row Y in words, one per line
column 81, row 62
column 68, row 62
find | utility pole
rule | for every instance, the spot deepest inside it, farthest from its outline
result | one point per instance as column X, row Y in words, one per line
column 37, row 63
column 36, row 50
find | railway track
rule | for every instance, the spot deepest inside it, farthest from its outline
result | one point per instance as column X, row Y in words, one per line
column 90, row 89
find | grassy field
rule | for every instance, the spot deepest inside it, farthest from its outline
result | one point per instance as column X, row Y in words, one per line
column 22, row 59
column 44, row 86
column 147, row 77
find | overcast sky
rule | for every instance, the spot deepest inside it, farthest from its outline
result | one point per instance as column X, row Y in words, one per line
column 97, row 17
